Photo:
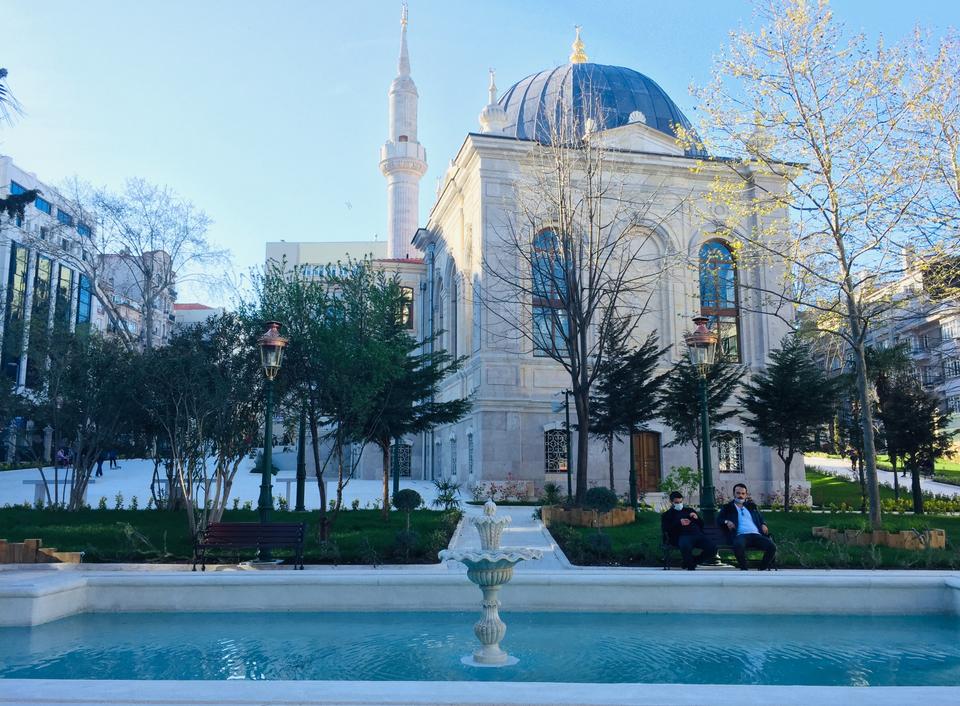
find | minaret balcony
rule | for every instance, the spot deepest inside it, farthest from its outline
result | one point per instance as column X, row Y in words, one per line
column 403, row 156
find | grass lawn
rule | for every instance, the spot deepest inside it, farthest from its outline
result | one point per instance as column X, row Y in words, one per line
column 358, row 537
column 638, row 544
column 829, row 490
column 941, row 467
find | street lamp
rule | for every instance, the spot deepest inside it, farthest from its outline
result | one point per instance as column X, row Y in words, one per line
column 271, row 356
column 702, row 348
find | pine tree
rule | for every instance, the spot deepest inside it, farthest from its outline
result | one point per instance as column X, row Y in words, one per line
column 787, row 402
column 916, row 424
column 680, row 399
column 627, row 393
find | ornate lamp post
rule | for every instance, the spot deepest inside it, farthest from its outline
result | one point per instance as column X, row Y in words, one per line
column 271, row 356
column 702, row 347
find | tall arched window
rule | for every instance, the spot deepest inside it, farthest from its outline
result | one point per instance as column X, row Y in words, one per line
column 549, row 285
column 718, row 296
column 454, row 315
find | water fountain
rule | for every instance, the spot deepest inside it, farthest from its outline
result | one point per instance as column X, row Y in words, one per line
column 490, row 568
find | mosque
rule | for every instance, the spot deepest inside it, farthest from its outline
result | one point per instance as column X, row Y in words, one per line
column 516, row 427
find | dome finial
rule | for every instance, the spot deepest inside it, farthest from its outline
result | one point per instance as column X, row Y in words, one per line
column 578, row 56
column 493, row 118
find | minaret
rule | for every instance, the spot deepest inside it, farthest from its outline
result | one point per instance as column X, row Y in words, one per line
column 403, row 160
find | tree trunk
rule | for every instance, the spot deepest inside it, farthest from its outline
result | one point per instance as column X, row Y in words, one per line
column 863, row 485
column 896, row 483
column 610, row 459
column 385, row 451
column 322, row 527
column 583, row 443
column 869, row 455
column 915, row 488
column 786, row 480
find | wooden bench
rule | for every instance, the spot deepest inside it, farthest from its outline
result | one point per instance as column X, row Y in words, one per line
column 249, row 535
column 715, row 534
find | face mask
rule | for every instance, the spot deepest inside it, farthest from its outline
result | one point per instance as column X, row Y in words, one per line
column 739, row 501
column 678, row 506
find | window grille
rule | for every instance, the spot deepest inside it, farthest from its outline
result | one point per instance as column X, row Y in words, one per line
column 555, row 450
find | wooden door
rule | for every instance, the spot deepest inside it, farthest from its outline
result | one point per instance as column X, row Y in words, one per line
column 646, row 459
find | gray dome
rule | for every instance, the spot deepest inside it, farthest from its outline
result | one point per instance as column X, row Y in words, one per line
column 607, row 94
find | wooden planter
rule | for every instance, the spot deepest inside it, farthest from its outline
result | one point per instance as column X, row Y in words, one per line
column 554, row 514
column 904, row 539
column 29, row 551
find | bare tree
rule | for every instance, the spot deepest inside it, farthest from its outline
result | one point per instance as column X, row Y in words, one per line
column 576, row 255
column 8, row 104
column 137, row 247
column 834, row 120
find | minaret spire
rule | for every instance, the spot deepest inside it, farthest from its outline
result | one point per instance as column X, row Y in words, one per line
column 403, row 65
column 403, row 161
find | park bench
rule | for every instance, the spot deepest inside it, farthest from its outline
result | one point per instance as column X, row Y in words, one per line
column 717, row 535
column 249, row 535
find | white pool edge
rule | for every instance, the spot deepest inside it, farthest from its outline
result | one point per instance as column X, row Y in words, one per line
column 33, row 597
column 24, row 692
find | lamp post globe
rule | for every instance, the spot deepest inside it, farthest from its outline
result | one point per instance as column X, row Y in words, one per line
column 702, row 349
column 271, row 356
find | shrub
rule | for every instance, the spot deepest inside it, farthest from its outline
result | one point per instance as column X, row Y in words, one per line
column 552, row 494
column 282, row 504
column 405, row 543
column 600, row 544
column 236, row 503
column 683, row 479
column 118, row 501
column 134, row 504
column 600, row 499
column 407, row 500
column 355, row 504
column 448, row 494
column 328, row 550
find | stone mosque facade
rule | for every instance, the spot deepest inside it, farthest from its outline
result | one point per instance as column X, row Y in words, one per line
column 515, row 430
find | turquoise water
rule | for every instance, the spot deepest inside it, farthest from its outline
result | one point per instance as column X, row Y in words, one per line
column 587, row 647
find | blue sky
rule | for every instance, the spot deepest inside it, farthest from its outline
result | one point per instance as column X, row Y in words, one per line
column 270, row 116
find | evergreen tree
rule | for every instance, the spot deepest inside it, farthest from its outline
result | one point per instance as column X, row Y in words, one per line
column 627, row 394
column 680, row 399
column 787, row 402
column 883, row 367
column 916, row 425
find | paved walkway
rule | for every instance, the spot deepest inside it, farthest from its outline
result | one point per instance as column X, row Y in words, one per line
column 841, row 467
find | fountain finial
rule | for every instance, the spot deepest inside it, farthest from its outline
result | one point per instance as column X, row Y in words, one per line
column 489, row 508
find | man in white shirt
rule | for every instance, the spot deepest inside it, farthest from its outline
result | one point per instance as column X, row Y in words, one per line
column 746, row 528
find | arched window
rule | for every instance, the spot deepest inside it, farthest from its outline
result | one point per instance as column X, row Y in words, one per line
column 454, row 315
column 718, row 296
column 549, row 288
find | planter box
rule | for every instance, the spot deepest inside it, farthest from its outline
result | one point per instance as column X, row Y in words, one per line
column 904, row 539
column 554, row 514
column 29, row 551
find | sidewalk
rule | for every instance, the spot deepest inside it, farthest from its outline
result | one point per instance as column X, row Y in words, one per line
column 841, row 467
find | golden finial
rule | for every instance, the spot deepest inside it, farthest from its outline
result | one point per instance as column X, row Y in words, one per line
column 578, row 56
column 403, row 14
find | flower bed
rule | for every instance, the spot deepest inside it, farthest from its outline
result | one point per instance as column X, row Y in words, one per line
column 904, row 539
column 576, row 517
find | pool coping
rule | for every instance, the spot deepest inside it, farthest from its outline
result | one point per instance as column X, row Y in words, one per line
column 32, row 596
column 29, row 692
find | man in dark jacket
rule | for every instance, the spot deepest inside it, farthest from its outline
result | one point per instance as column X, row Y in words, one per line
column 745, row 528
column 684, row 527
